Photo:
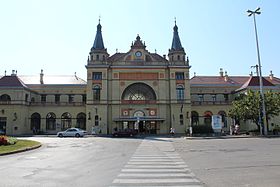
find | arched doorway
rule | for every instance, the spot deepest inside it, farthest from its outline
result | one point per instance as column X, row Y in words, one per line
column 66, row 119
column 224, row 117
column 195, row 118
column 51, row 121
column 208, row 117
column 141, row 124
column 81, row 121
column 35, row 122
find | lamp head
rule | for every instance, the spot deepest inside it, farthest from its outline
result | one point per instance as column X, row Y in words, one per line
column 250, row 12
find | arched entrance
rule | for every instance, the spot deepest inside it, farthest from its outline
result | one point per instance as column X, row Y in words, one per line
column 81, row 121
column 51, row 121
column 140, row 123
column 35, row 122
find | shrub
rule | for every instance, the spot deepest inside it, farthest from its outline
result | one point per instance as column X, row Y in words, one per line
column 5, row 140
column 202, row 129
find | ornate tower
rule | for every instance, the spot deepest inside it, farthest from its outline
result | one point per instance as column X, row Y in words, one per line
column 177, row 52
column 98, row 52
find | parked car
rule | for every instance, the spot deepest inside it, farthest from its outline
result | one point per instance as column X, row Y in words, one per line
column 72, row 132
column 124, row 133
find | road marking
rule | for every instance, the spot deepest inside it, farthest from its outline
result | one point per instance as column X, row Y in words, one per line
column 141, row 181
column 156, row 164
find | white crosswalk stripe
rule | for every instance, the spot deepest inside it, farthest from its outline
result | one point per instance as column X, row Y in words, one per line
column 155, row 163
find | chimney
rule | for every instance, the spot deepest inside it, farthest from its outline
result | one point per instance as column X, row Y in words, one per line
column 226, row 76
column 41, row 77
column 13, row 73
column 251, row 74
column 221, row 72
column 271, row 75
column 164, row 56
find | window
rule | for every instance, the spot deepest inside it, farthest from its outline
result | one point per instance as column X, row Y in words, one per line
column 43, row 98
column 179, row 76
column 139, row 91
column 103, row 58
column 57, row 98
column 226, row 97
column 70, row 98
column 214, row 97
column 181, row 119
column 97, row 57
column 96, row 93
column 178, row 57
column 26, row 97
column 180, row 92
column 84, row 98
column 200, row 97
column 96, row 120
column 97, row 76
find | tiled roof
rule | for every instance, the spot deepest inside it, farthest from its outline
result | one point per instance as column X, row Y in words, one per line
column 254, row 82
column 115, row 57
column 231, row 81
column 158, row 57
column 11, row 81
column 216, row 80
column 52, row 79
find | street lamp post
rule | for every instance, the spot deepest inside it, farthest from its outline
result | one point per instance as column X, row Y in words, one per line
column 263, row 120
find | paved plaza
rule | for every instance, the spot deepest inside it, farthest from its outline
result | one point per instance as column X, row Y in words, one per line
column 150, row 161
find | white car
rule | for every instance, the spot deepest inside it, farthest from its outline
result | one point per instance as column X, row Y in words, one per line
column 72, row 132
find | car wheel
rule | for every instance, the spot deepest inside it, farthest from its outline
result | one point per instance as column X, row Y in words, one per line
column 60, row 135
column 77, row 135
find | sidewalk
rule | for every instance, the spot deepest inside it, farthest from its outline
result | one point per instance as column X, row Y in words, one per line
column 229, row 137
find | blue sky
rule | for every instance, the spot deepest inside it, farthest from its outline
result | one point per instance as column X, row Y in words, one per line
column 56, row 35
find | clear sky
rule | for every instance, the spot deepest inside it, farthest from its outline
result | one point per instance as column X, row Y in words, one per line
column 56, row 35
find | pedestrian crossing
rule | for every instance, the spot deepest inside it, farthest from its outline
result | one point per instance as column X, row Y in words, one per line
column 155, row 163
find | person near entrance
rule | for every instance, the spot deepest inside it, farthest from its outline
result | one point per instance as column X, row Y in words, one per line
column 172, row 131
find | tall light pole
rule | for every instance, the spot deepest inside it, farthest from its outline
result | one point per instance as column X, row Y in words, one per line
column 262, row 120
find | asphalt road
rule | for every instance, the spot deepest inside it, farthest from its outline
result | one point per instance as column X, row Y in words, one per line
column 91, row 161
column 98, row 161
column 245, row 162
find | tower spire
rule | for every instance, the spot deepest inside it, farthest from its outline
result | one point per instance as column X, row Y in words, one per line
column 177, row 52
column 176, row 42
column 98, row 41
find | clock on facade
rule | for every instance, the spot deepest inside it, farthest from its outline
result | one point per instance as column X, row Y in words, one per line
column 138, row 54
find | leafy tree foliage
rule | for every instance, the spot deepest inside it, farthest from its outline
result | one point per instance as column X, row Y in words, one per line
column 247, row 106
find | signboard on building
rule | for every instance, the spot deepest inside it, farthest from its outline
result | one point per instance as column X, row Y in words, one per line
column 217, row 123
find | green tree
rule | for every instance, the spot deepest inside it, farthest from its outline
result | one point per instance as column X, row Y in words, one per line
column 247, row 106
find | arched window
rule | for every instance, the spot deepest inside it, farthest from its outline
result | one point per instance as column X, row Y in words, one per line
column 195, row 118
column 96, row 93
column 35, row 122
column 139, row 91
column 181, row 119
column 224, row 117
column 5, row 98
column 96, row 120
column 66, row 121
column 81, row 121
column 50, row 121
column 180, row 90
column 178, row 57
column 208, row 117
